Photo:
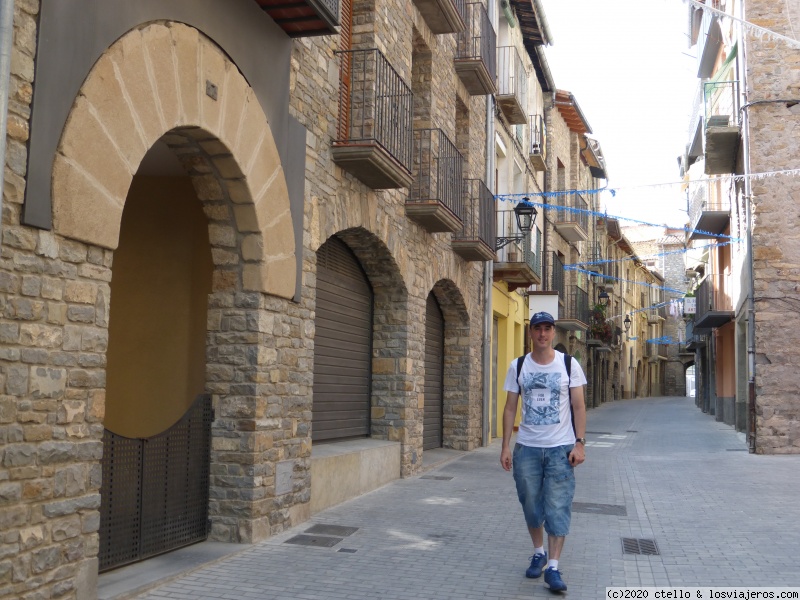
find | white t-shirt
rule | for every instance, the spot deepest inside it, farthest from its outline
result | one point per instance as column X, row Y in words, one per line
column 546, row 418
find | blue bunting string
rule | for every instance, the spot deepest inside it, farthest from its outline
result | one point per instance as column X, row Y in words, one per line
column 650, row 285
column 516, row 198
column 649, row 256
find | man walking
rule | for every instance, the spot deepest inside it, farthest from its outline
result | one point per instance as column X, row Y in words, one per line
column 548, row 447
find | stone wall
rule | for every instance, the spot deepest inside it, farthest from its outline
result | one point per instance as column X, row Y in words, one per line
column 55, row 305
column 772, row 72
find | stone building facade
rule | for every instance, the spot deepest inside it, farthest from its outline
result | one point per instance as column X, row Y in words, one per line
column 743, row 332
column 163, row 215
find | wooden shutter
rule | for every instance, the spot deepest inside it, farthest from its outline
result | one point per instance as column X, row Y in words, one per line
column 434, row 369
column 342, row 345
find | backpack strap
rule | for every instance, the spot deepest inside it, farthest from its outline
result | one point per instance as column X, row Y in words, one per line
column 568, row 365
column 520, row 360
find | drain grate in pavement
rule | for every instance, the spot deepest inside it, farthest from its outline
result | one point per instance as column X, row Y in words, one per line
column 736, row 449
column 438, row 477
column 639, row 546
column 631, row 431
column 600, row 509
column 600, row 432
column 348, row 550
column 314, row 540
column 335, row 530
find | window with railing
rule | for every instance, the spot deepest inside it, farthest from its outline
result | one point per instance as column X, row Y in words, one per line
column 721, row 101
column 573, row 209
column 478, row 41
column 375, row 105
column 479, row 214
column 538, row 134
column 556, row 283
column 438, row 171
column 714, row 294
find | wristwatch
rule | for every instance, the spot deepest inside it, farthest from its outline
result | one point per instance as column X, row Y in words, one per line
column 581, row 440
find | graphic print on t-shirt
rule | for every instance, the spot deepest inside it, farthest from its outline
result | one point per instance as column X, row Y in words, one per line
column 541, row 396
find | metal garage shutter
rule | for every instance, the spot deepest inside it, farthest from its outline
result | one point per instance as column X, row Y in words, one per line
column 342, row 346
column 434, row 367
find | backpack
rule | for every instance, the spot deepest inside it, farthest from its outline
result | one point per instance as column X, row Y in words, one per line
column 568, row 365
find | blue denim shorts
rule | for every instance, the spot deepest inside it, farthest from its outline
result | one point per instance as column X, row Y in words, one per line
column 545, row 486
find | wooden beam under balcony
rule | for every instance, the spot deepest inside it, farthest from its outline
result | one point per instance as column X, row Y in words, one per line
column 442, row 16
column 303, row 18
column 372, row 164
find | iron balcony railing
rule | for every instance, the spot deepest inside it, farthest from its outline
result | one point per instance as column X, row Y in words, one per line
column 532, row 252
column 479, row 214
column 556, row 283
column 478, row 41
column 375, row 104
column 707, row 196
column 713, row 294
column 512, row 79
column 573, row 209
column 507, row 228
column 538, row 135
column 438, row 171
column 721, row 103
column 577, row 306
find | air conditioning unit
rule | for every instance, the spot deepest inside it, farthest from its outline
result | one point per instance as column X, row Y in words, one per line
column 536, row 149
column 691, row 273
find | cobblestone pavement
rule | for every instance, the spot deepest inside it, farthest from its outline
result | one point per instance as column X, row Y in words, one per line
column 657, row 469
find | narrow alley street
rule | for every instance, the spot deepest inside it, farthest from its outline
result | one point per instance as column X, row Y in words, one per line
column 657, row 469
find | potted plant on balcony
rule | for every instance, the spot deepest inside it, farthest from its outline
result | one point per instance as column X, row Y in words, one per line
column 599, row 328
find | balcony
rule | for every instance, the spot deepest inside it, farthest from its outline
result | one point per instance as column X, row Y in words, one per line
column 538, row 151
column 595, row 262
column 576, row 311
column 436, row 199
column 653, row 317
column 709, row 210
column 475, row 61
column 303, row 18
column 721, row 99
column 556, row 283
column 572, row 218
column 443, row 16
column 517, row 263
column 476, row 239
column 512, row 84
column 375, row 114
column 714, row 305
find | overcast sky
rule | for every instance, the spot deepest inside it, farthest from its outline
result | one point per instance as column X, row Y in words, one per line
column 631, row 70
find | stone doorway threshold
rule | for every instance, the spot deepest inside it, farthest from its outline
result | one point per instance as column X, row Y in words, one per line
column 132, row 580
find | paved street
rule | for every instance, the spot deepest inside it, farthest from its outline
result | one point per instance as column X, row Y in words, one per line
column 656, row 469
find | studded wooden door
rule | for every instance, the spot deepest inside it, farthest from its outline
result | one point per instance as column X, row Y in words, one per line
column 154, row 495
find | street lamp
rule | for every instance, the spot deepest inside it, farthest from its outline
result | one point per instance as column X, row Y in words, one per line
column 525, row 213
column 627, row 323
column 603, row 297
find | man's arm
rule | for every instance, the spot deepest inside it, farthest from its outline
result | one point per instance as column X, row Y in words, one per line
column 578, row 454
column 509, row 414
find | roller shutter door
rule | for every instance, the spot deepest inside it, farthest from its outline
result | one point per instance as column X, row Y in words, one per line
column 342, row 346
column 434, row 368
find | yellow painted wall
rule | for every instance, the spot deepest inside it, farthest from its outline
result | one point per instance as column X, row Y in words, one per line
column 159, row 295
column 511, row 311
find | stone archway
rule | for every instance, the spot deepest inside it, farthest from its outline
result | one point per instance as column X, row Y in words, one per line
column 168, row 81
column 167, row 85
column 461, row 426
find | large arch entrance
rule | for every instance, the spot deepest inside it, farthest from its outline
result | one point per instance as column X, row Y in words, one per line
column 187, row 191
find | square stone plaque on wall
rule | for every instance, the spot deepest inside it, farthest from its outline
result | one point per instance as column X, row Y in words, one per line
column 283, row 477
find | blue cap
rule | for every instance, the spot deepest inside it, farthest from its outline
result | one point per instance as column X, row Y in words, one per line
column 542, row 317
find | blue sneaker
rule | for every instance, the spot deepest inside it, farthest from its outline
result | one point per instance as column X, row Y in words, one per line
column 538, row 562
column 552, row 579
